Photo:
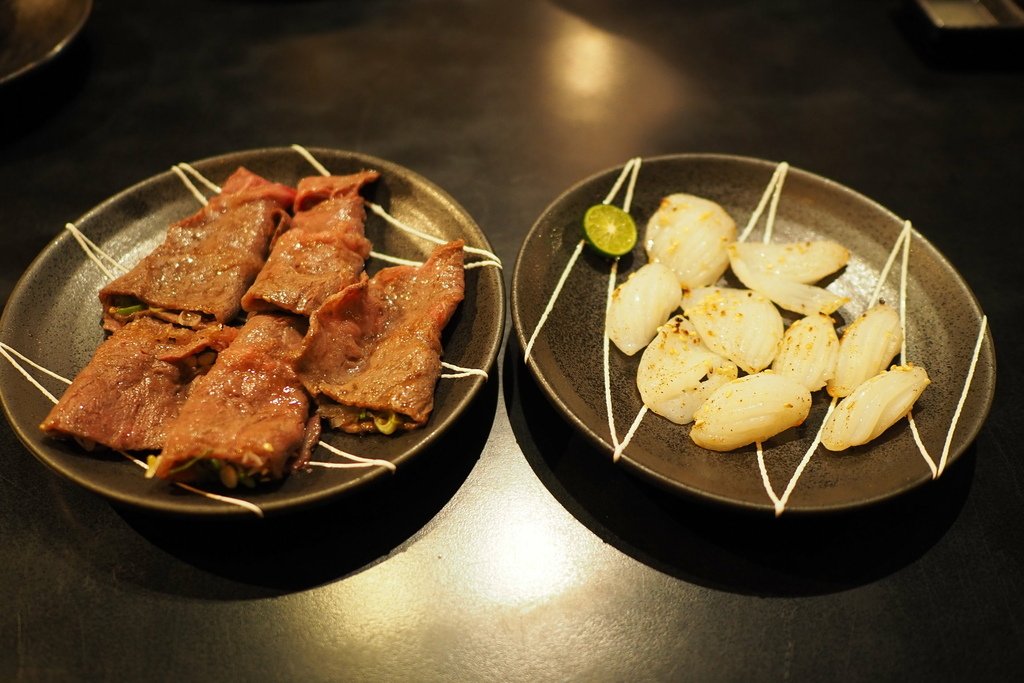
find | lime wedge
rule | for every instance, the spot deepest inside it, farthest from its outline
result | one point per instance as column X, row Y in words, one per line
column 609, row 230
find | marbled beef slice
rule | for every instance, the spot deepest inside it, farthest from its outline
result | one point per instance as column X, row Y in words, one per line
column 207, row 261
column 247, row 419
column 134, row 385
column 322, row 252
column 372, row 356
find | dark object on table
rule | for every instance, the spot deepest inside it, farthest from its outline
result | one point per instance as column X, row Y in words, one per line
column 968, row 33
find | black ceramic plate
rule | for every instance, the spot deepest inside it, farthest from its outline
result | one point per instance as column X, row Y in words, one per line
column 943, row 324
column 53, row 318
column 34, row 32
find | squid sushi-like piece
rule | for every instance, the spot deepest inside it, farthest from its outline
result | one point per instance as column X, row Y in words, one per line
column 750, row 409
column 804, row 262
column 873, row 407
column 690, row 234
column 739, row 324
column 809, row 351
column 640, row 305
column 867, row 346
column 678, row 372
column 791, row 295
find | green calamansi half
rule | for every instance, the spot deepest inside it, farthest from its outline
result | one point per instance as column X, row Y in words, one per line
column 609, row 230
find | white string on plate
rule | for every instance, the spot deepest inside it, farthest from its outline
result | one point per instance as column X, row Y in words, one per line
column 635, row 172
column 311, row 159
column 6, row 351
column 251, row 507
column 97, row 255
column 187, row 182
column 756, row 216
column 212, row 186
column 884, row 274
column 357, row 460
column 481, row 264
column 776, row 194
column 617, row 185
column 780, row 504
column 461, row 371
column 395, row 259
column 963, row 394
column 25, row 373
column 88, row 249
column 380, row 211
column 554, row 297
column 93, row 250
column 617, row 453
column 632, row 168
column 606, row 365
column 907, row 235
column 37, row 366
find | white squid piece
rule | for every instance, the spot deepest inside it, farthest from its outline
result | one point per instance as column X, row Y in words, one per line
column 809, row 351
column 689, row 235
column 640, row 305
column 791, row 295
column 804, row 262
column 750, row 410
column 678, row 372
column 873, row 407
column 739, row 324
column 867, row 346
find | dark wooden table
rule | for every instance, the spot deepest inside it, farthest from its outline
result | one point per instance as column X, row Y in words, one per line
column 517, row 551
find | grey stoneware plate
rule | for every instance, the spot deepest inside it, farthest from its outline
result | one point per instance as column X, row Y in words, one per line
column 53, row 317
column 33, row 32
column 943, row 321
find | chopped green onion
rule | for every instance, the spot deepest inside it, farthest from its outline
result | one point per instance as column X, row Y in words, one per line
column 387, row 422
column 129, row 310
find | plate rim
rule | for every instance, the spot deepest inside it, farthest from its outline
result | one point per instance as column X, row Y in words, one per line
column 175, row 504
column 669, row 483
column 85, row 8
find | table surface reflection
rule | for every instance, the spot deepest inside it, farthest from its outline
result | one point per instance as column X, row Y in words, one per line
column 513, row 550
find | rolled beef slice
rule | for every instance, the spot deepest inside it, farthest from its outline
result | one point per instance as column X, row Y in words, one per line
column 249, row 413
column 207, row 261
column 134, row 385
column 321, row 253
column 372, row 355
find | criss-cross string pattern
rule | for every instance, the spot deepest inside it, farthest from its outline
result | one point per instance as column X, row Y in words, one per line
column 110, row 267
column 769, row 200
column 549, row 307
column 12, row 356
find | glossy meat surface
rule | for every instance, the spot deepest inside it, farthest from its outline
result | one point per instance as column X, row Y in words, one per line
column 376, row 346
column 134, row 386
column 250, row 409
column 208, row 260
column 323, row 251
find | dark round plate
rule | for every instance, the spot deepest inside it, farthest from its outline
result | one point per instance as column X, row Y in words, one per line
column 32, row 32
column 53, row 318
column 942, row 326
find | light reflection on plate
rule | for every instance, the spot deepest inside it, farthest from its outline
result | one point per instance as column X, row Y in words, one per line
column 32, row 32
column 53, row 318
column 942, row 321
